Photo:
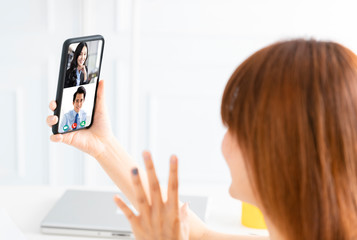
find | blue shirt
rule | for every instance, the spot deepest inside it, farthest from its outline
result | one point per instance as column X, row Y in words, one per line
column 78, row 73
column 69, row 118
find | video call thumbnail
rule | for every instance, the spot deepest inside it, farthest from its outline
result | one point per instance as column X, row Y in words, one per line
column 83, row 63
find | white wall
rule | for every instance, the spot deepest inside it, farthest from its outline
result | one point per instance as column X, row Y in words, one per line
column 165, row 64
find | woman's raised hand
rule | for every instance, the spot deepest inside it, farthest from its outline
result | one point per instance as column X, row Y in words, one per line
column 157, row 220
column 92, row 140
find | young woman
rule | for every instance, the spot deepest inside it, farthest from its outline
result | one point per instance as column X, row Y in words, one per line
column 77, row 73
column 291, row 146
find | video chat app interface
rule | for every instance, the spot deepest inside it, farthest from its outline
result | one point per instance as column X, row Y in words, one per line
column 81, row 76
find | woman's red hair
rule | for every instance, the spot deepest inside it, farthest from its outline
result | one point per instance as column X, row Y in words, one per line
column 292, row 108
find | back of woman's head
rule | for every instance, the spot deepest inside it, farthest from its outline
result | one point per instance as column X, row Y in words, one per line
column 292, row 108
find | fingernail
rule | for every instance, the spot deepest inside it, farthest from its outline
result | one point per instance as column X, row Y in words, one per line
column 146, row 156
column 52, row 118
column 134, row 171
column 173, row 160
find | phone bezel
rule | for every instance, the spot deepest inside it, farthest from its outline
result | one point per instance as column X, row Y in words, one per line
column 61, row 78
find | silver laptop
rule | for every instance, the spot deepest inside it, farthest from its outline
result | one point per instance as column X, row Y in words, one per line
column 94, row 214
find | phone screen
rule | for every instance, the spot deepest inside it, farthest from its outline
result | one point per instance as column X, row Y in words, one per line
column 80, row 78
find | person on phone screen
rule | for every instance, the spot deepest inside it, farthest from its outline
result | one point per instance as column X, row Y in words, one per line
column 77, row 73
column 75, row 118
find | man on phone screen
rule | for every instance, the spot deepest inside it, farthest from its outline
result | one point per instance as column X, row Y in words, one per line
column 75, row 118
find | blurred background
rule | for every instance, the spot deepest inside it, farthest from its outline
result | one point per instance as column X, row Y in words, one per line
column 165, row 64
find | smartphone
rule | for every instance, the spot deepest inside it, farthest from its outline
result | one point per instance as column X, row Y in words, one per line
column 78, row 82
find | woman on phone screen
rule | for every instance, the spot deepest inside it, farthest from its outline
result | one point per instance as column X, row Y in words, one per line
column 77, row 73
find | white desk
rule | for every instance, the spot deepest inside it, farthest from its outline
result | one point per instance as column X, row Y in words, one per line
column 28, row 205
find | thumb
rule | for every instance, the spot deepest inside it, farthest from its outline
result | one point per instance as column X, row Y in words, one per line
column 100, row 92
column 101, row 117
column 184, row 212
column 100, row 103
column 185, row 230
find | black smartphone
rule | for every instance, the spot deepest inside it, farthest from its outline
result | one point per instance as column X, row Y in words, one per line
column 77, row 83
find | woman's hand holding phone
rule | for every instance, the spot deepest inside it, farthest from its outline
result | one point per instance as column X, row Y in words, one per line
column 93, row 139
column 171, row 221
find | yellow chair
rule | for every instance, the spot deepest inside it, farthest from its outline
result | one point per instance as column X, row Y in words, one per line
column 252, row 217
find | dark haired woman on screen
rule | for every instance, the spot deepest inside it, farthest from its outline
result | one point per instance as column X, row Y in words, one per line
column 77, row 73
column 291, row 147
